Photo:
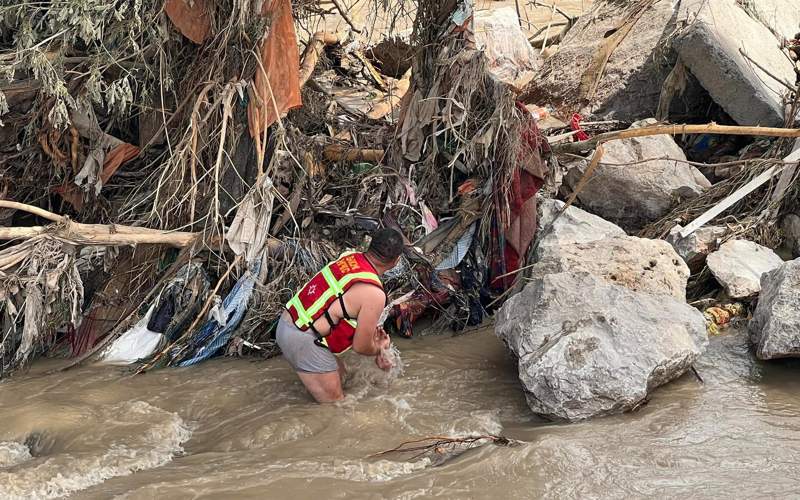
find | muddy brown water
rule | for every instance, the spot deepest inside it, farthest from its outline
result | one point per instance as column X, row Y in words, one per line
column 233, row 428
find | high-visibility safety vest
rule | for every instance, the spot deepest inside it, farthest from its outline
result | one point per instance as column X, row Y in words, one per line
column 328, row 285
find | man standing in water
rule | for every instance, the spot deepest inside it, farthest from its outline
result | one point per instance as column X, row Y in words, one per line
column 338, row 309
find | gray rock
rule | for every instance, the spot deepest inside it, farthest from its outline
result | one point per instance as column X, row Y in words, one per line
column 639, row 264
column 739, row 264
column 694, row 248
column 782, row 17
column 791, row 229
column 630, row 86
column 574, row 226
column 633, row 195
column 709, row 46
column 588, row 348
column 775, row 327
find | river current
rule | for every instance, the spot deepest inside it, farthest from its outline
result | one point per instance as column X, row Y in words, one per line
column 237, row 428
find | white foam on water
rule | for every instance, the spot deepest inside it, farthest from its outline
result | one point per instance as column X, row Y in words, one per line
column 392, row 354
column 363, row 374
column 132, row 449
column 380, row 470
column 13, row 453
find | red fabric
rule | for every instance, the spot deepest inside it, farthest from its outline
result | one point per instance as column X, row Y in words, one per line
column 519, row 231
column 406, row 313
column 340, row 338
column 575, row 124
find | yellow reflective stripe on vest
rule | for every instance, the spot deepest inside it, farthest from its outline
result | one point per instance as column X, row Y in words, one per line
column 302, row 316
column 347, row 278
column 333, row 284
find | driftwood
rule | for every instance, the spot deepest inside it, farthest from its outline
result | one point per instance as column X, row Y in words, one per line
column 92, row 234
column 710, row 128
column 335, row 152
column 313, row 50
column 444, row 445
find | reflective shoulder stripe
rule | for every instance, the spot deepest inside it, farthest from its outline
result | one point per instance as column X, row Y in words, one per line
column 318, row 304
column 362, row 276
column 332, row 281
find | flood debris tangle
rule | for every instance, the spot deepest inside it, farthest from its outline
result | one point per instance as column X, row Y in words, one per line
column 172, row 171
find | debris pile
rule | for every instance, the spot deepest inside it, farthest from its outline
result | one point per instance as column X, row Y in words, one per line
column 174, row 170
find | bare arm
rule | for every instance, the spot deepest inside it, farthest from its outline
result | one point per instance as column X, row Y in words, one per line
column 368, row 339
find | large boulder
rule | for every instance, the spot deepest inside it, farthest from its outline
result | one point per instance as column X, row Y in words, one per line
column 775, row 327
column 632, row 192
column 588, row 348
column 738, row 266
column 694, row 248
column 791, row 230
column 782, row 17
column 573, row 226
column 630, row 86
column 639, row 264
column 716, row 33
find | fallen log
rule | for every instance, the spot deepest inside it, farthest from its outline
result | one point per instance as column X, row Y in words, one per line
column 92, row 234
column 710, row 128
column 336, row 152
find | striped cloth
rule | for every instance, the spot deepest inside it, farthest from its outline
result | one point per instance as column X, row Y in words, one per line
column 212, row 336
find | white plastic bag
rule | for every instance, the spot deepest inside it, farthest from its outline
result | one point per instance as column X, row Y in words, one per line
column 133, row 345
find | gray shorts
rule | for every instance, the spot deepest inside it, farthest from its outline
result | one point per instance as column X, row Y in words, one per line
column 303, row 354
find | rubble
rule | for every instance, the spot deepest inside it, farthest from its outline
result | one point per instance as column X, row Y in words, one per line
column 694, row 248
column 775, row 327
column 588, row 348
column 573, row 226
column 638, row 180
column 641, row 265
column 720, row 38
column 630, row 87
column 738, row 266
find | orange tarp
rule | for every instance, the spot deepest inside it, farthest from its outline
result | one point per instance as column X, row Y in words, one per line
column 192, row 20
column 281, row 63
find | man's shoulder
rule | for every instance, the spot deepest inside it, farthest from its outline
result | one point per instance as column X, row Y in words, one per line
column 367, row 291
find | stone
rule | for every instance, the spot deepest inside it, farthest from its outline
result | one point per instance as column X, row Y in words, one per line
column 775, row 327
column 791, row 230
column 588, row 348
column 738, row 266
column 709, row 45
column 634, row 195
column 511, row 58
column 694, row 248
column 630, row 87
column 574, row 226
column 782, row 17
column 639, row 264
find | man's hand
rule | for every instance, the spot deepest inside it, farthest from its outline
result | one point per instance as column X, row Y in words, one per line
column 383, row 363
column 382, row 339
